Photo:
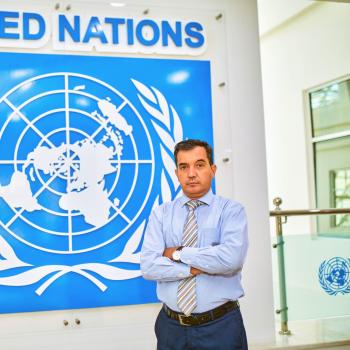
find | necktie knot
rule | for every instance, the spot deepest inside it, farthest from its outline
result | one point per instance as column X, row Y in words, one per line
column 193, row 204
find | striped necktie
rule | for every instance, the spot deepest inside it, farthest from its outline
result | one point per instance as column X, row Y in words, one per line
column 186, row 293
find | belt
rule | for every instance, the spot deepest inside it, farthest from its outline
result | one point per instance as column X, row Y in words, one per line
column 204, row 317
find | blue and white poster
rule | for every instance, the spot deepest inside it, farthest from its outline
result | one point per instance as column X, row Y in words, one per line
column 85, row 154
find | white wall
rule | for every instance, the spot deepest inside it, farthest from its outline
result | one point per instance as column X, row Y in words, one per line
column 239, row 134
column 308, row 50
column 273, row 13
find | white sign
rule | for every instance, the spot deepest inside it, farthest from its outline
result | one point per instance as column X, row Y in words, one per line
column 105, row 34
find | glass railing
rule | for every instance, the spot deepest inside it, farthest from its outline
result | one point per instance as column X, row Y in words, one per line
column 311, row 271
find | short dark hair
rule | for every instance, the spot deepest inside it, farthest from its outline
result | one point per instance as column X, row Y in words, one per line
column 189, row 144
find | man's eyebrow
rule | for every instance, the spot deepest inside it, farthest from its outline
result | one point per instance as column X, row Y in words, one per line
column 197, row 161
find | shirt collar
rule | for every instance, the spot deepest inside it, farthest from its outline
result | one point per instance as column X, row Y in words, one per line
column 207, row 198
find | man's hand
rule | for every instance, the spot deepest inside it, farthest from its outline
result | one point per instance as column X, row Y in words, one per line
column 168, row 252
column 195, row 272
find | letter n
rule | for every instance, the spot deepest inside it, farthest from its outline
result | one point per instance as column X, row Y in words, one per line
column 64, row 26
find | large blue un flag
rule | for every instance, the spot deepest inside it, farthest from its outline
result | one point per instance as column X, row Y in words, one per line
column 85, row 154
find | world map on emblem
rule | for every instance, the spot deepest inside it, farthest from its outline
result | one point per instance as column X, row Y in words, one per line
column 74, row 153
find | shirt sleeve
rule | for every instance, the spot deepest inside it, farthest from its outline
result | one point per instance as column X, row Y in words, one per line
column 154, row 265
column 228, row 256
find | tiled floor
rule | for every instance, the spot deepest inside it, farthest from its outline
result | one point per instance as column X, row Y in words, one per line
column 331, row 333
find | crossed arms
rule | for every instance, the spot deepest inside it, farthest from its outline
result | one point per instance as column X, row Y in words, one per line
column 225, row 258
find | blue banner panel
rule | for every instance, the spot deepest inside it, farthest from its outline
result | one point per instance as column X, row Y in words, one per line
column 85, row 154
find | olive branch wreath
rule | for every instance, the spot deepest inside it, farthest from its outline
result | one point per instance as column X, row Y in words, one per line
column 325, row 286
column 167, row 125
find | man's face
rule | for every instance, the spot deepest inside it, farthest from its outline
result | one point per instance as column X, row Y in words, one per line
column 194, row 172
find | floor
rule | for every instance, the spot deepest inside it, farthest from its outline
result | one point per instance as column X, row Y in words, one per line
column 331, row 333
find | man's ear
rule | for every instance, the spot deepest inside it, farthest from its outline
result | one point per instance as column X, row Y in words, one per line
column 213, row 169
column 176, row 173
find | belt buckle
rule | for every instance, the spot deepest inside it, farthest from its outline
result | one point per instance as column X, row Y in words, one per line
column 182, row 320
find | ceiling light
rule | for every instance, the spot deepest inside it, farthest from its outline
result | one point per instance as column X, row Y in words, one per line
column 117, row 4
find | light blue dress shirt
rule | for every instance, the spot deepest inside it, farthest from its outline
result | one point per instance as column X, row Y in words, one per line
column 222, row 247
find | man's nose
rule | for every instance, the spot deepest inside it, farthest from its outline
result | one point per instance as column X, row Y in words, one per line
column 191, row 172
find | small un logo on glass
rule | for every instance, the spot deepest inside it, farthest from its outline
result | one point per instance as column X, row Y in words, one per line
column 334, row 276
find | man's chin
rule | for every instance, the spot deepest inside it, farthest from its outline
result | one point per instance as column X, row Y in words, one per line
column 193, row 188
column 193, row 192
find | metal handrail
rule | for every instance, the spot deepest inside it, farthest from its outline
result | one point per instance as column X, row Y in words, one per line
column 299, row 212
column 278, row 214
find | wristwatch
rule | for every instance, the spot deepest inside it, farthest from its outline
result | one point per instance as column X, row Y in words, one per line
column 176, row 254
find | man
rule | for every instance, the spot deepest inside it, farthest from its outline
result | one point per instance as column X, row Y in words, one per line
column 194, row 248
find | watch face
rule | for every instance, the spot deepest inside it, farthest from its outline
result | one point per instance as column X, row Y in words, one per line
column 176, row 255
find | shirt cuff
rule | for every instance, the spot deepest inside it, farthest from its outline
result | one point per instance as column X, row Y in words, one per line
column 187, row 255
column 182, row 270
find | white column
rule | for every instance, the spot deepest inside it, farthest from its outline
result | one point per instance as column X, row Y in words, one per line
column 249, row 165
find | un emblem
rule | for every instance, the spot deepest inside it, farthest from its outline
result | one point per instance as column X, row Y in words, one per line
column 334, row 276
column 76, row 155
